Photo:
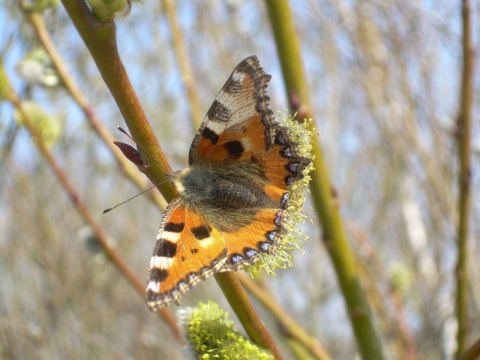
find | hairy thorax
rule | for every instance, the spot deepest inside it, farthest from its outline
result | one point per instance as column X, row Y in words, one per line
column 222, row 190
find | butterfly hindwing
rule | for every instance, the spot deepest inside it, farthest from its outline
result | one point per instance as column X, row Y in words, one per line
column 186, row 251
column 264, row 232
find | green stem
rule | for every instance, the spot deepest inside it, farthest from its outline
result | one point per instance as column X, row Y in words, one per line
column 464, row 180
column 324, row 196
column 100, row 39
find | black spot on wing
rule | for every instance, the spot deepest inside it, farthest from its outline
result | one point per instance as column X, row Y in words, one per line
column 158, row 275
column 210, row 135
column 166, row 249
column 248, row 253
column 234, row 148
column 289, row 179
column 219, row 112
column 296, row 170
column 201, row 232
column 232, row 86
column 174, row 227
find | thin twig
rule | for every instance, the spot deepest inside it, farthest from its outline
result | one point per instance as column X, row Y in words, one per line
column 288, row 324
column 179, row 48
column 85, row 214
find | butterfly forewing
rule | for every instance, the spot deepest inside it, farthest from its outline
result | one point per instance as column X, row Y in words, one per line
column 240, row 112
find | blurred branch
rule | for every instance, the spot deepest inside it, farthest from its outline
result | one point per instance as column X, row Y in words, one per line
column 100, row 39
column 179, row 48
column 324, row 196
column 377, row 275
column 464, row 180
column 84, row 213
column 38, row 23
column 290, row 327
column 472, row 353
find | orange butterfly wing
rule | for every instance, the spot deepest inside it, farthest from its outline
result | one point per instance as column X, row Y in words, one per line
column 234, row 193
column 239, row 127
column 186, row 251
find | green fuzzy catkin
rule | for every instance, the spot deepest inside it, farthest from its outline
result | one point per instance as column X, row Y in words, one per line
column 105, row 10
column 211, row 335
column 49, row 127
column 6, row 92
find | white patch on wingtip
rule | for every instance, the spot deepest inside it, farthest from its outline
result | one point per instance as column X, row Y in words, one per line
column 161, row 262
column 239, row 75
column 153, row 286
column 173, row 237
column 216, row 126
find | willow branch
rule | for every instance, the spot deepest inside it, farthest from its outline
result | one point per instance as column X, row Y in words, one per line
column 324, row 196
column 100, row 39
column 471, row 353
column 183, row 61
column 464, row 180
column 82, row 209
column 38, row 24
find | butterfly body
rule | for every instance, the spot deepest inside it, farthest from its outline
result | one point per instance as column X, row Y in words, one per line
column 234, row 194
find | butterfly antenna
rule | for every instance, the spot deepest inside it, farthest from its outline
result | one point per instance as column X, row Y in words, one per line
column 123, row 202
column 144, row 191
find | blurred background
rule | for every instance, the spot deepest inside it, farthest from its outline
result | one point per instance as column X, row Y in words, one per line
column 384, row 80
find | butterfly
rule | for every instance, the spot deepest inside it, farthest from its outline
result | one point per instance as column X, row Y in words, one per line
column 233, row 195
